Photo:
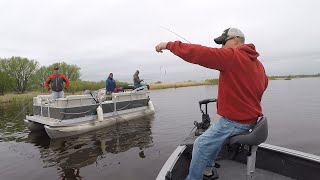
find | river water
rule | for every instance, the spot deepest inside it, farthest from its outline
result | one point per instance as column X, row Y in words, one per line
column 136, row 150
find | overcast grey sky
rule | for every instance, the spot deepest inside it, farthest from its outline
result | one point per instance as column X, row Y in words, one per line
column 119, row 36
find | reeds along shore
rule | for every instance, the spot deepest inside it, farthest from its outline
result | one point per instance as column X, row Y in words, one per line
column 180, row 84
column 18, row 97
column 28, row 96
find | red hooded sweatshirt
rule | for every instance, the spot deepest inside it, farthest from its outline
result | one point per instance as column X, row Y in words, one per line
column 242, row 79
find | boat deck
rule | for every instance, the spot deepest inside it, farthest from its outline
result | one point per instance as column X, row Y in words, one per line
column 231, row 170
column 57, row 122
column 228, row 170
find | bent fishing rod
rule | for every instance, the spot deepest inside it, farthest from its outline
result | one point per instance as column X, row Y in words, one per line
column 175, row 34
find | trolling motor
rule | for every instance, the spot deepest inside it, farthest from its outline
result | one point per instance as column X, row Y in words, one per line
column 203, row 126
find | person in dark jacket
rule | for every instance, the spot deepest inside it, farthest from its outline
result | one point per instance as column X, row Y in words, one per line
column 56, row 80
column 242, row 82
column 110, row 84
column 136, row 80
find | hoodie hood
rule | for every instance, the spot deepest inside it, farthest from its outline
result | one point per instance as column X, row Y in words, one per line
column 136, row 73
column 250, row 50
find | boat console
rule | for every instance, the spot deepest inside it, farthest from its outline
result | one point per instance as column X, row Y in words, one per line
column 205, row 123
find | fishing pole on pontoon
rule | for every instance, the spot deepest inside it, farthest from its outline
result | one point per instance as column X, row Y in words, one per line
column 22, row 110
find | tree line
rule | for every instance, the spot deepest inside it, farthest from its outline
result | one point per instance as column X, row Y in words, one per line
column 19, row 75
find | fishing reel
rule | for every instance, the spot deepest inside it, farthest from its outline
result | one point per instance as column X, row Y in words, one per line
column 205, row 123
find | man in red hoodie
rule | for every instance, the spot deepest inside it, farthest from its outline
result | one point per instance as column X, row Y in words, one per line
column 242, row 82
column 56, row 79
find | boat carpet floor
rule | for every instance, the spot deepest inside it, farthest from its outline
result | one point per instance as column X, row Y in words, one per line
column 231, row 170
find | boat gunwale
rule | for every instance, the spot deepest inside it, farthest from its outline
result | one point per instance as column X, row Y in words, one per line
column 75, row 121
column 295, row 153
column 310, row 159
column 171, row 162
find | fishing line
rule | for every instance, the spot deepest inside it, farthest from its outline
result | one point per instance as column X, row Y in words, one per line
column 175, row 34
column 22, row 110
column 192, row 130
column 165, row 70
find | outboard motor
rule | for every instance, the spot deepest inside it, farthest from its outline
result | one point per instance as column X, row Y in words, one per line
column 204, row 125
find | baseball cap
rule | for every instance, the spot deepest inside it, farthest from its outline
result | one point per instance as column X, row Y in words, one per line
column 56, row 68
column 230, row 32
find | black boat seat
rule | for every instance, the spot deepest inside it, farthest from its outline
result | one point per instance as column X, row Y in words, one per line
column 257, row 136
column 252, row 139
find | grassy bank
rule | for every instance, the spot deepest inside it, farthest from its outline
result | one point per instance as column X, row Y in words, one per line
column 17, row 97
column 293, row 76
column 28, row 96
column 23, row 97
column 182, row 84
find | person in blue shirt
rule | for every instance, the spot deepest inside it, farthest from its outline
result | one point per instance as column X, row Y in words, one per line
column 110, row 84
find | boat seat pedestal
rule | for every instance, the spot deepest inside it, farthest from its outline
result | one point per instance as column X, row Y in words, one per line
column 252, row 139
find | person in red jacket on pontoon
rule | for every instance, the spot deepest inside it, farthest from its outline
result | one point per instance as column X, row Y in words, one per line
column 56, row 80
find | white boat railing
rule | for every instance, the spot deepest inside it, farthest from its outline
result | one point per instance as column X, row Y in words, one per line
column 45, row 101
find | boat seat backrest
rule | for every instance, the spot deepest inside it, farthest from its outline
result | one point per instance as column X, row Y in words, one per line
column 84, row 96
column 74, row 101
column 142, row 88
column 257, row 136
column 45, row 97
column 101, row 93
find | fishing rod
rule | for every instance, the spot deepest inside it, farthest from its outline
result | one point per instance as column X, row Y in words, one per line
column 175, row 34
column 165, row 71
column 22, row 110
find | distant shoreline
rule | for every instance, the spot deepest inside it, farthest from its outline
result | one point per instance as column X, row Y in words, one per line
column 11, row 97
column 182, row 84
column 293, row 77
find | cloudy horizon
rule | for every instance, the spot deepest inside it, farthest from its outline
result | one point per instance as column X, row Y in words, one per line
column 119, row 36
